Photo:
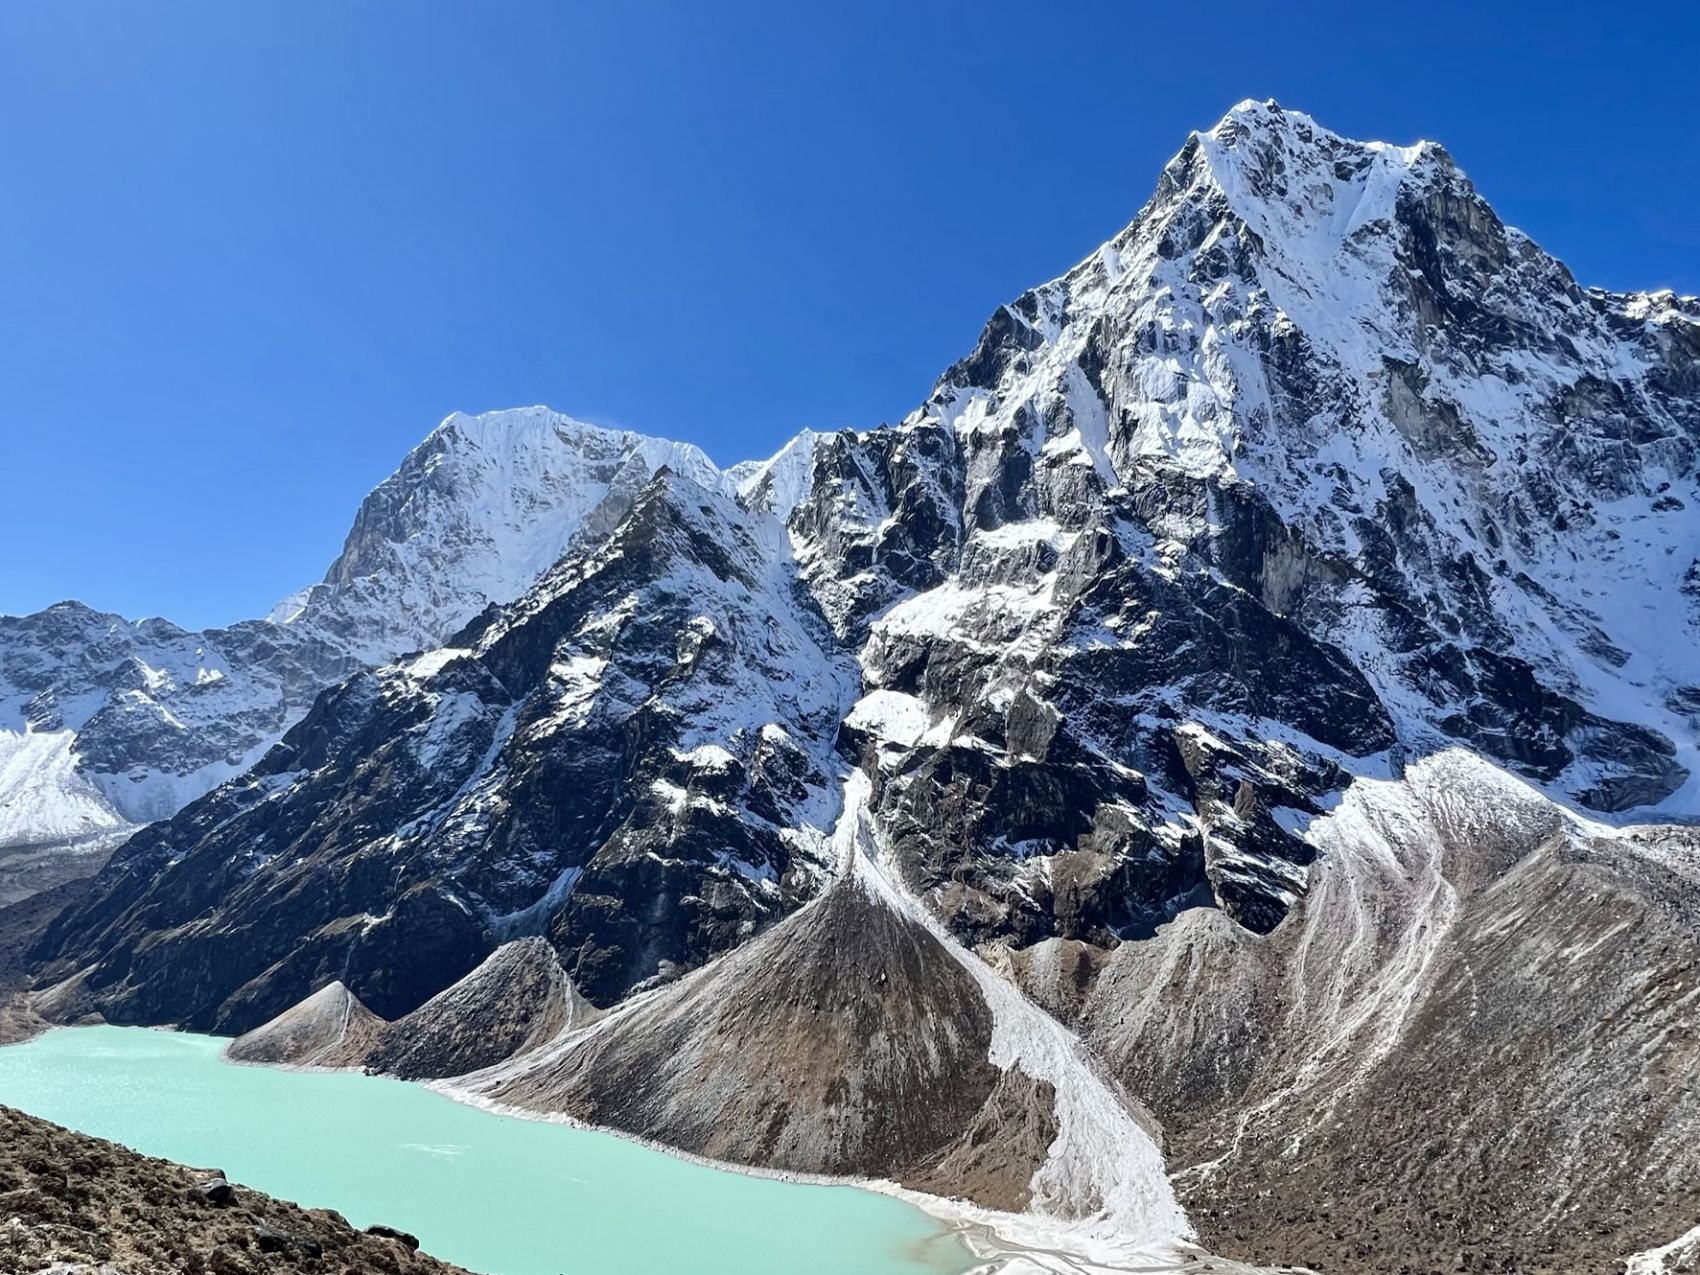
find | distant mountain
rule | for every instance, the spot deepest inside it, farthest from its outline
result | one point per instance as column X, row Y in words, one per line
column 1245, row 716
column 474, row 515
column 107, row 723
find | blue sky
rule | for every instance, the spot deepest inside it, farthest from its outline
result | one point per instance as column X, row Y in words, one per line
column 251, row 253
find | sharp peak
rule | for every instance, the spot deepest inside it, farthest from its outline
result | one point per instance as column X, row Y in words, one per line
column 502, row 427
column 666, row 481
column 513, row 418
column 1252, row 108
column 802, row 440
column 1261, row 156
column 78, row 609
column 1267, row 114
column 1269, row 120
column 1258, row 158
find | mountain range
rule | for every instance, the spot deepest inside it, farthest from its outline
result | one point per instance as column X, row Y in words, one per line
column 1220, row 770
column 107, row 724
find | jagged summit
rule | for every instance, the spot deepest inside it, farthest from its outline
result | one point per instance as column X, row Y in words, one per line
column 510, row 428
column 1347, row 334
column 1303, row 189
column 777, row 484
column 1299, row 134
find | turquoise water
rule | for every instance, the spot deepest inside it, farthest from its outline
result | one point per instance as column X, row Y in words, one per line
column 495, row 1194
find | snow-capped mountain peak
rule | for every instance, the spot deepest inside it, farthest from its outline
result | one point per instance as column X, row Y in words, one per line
column 778, row 484
column 1345, row 333
column 136, row 718
column 474, row 515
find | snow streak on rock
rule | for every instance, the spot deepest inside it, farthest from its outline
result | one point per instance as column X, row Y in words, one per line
column 1104, row 1173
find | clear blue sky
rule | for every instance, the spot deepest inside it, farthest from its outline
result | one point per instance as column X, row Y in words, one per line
column 251, row 252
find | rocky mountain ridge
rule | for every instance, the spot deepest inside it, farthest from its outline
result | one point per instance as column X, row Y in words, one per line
column 1273, row 636
column 108, row 723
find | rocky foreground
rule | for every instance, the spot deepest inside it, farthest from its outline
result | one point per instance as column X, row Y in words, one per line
column 70, row 1203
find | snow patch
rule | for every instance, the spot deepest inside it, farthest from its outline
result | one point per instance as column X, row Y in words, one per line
column 1103, row 1191
column 43, row 795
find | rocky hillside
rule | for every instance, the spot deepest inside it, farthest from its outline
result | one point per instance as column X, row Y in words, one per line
column 74, row 1205
column 635, row 760
column 1256, row 651
column 1359, row 1090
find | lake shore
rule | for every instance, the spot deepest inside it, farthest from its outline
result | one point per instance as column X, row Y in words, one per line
column 72, row 1202
column 507, row 1196
column 1006, row 1243
column 996, row 1243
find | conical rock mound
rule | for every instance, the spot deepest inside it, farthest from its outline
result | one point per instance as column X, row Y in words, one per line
column 331, row 1028
column 845, row 1040
column 518, row 999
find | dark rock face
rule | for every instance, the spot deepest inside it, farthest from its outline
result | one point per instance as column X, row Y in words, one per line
column 216, row 1191
column 882, row 516
column 153, row 716
column 406, row 1240
column 295, row 1245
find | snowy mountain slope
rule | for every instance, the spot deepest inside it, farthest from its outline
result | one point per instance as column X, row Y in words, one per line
column 776, row 485
column 1313, row 461
column 635, row 759
column 474, row 515
column 54, row 824
column 146, row 715
column 42, row 797
column 149, row 716
column 1245, row 649
column 1323, row 373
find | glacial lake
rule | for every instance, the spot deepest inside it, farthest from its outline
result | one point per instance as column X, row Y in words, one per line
column 492, row 1193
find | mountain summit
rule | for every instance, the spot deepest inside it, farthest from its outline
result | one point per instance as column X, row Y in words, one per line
column 106, row 723
column 1260, row 677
